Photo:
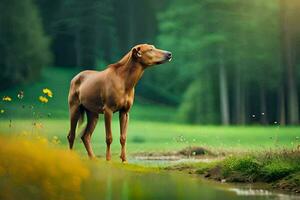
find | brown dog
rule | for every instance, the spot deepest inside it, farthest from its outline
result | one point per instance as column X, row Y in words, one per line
column 110, row 91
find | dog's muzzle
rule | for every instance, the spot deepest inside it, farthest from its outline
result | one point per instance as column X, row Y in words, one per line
column 168, row 56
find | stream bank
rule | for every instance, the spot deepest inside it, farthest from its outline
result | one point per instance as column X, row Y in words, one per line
column 276, row 170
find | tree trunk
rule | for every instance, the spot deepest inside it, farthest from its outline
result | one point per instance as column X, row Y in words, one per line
column 224, row 105
column 289, row 64
column 281, row 106
column 263, row 105
column 237, row 103
column 240, row 101
column 243, row 105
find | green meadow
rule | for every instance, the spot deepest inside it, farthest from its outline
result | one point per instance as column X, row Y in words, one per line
column 162, row 136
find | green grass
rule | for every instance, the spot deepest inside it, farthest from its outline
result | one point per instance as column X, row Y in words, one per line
column 55, row 79
column 275, row 166
column 158, row 136
column 280, row 168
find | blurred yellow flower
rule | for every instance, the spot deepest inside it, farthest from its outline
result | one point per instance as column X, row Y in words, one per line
column 6, row 98
column 55, row 140
column 43, row 99
column 24, row 133
column 38, row 125
column 52, row 172
column 48, row 92
column 2, row 111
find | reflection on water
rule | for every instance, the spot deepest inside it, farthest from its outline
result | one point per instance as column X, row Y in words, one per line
column 159, row 161
column 119, row 183
column 251, row 192
column 259, row 192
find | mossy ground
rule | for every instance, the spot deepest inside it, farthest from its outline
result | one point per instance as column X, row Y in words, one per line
column 281, row 169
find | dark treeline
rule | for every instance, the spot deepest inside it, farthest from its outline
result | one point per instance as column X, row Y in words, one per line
column 235, row 61
column 87, row 32
column 71, row 33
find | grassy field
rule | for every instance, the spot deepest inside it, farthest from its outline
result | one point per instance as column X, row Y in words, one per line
column 157, row 136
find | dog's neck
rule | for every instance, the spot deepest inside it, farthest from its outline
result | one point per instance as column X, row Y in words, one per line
column 134, row 72
column 130, row 71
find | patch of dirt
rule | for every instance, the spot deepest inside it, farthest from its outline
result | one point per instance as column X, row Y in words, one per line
column 290, row 183
column 189, row 152
column 195, row 151
column 214, row 173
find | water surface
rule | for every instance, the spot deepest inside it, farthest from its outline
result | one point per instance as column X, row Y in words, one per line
column 133, row 183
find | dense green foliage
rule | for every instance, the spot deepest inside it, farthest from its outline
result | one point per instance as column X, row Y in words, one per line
column 23, row 44
column 228, row 59
column 89, row 33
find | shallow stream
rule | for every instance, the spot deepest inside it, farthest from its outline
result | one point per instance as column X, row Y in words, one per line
column 133, row 183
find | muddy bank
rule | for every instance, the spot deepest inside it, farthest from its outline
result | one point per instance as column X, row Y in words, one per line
column 186, row 152
column 176, row 158
column 279, row 170
column 289, row 183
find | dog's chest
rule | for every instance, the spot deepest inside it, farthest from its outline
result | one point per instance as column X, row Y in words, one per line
column 118, row 102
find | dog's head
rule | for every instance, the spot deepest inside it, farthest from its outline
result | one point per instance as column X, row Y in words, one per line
column 148, row 55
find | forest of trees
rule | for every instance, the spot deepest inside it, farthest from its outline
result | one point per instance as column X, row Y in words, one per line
column 235, row 61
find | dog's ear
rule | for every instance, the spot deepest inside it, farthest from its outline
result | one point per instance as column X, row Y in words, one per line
column 136, row 52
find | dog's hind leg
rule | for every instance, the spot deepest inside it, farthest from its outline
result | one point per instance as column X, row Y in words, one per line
column 74, row 117
column 92, row 119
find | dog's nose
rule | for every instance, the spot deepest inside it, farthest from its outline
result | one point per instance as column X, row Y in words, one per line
column 169, row 55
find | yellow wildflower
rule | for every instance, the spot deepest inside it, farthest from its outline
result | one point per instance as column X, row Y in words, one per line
column 2, row 111
column 38, row 163
column 6, row 98
column 25, row 133
column 48, row 92
column 55, row 140
column 38, row 125
column 43, row 99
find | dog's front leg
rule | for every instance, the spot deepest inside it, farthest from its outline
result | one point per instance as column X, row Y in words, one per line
column 123, row 117
column 107, row 118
